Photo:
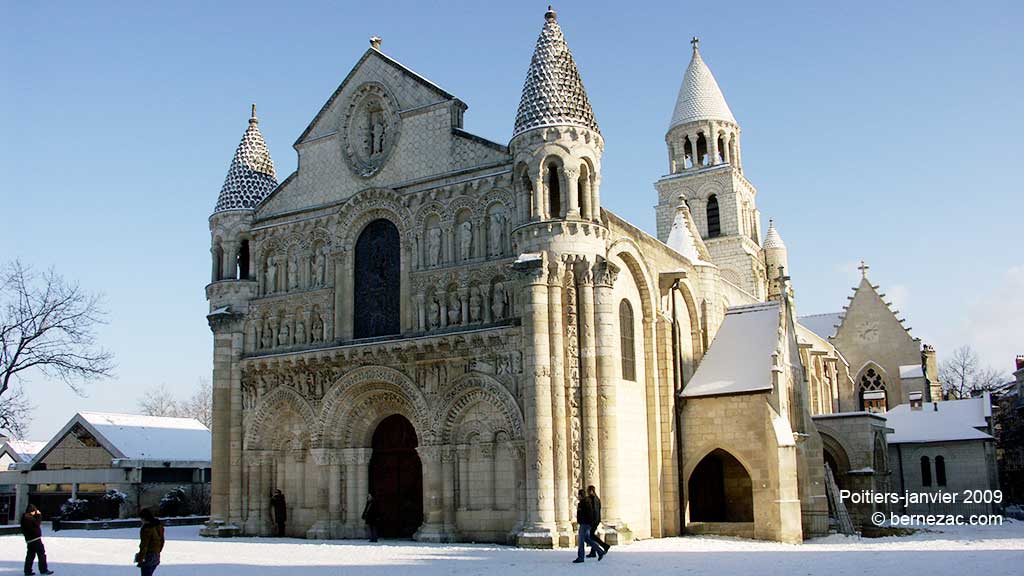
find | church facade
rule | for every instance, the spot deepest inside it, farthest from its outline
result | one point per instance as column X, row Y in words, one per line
column 460, row 328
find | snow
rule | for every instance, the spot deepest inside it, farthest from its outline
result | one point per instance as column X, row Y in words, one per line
column 824, row 325
column 26, row 449
column 740, row 357
column 993, row 551
column 911, row 371
column 940, row 421
column 152, row 437
column 680, row 239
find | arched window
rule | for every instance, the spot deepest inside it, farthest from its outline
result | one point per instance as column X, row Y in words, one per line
column 940, row 471
column 377, row 284
column 714, row 221
column 872, row 392
column 583, row 191
column 926, row 471
column 554, row 192
column 218, row 262
column 243, row 261
column 626, row 340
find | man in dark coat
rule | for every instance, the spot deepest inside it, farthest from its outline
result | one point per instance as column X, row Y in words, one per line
column 595, row 502
column 585, row 519
column 280, row 510
column 32, row 530
column 371, row 515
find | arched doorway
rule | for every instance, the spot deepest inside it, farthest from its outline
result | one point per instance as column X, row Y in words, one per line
column 396, row 477
column 720, row 490
column 377, row 281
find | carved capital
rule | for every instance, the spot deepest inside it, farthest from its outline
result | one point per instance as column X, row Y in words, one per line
column 430, row 453
column 605, row 273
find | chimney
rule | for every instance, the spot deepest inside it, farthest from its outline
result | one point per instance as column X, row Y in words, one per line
column 1020, row 361
column 916, row 401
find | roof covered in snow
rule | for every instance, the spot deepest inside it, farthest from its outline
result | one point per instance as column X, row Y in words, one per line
column 24, row 449
column 940, row 421
column 823, row 325
column 553, row 93
column 137, row 437
column 682, row 237
column 911, row 371
column 699, row 98
column 739, row 359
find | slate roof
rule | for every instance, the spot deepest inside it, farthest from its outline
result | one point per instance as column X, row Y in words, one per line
column 251, row 175
column 553, row 94
column 699, row 98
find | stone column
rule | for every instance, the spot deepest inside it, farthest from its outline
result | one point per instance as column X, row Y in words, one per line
column 334, row 495
column 448, row 462
column 588, row 375
column 713, row 146
column 20, row 500
column 572, row 192
column 322, row 528
column 539, row 197
column 559, row 436
column 354, row 507
column 342, row 295
column 487, row 455
column 464, row 298
column 608, row 378
column 421, row 311
column 266, row 488
column 252, row 524
column 539, row 530
column 432, row 529
column 463, row 480
column 595, row 196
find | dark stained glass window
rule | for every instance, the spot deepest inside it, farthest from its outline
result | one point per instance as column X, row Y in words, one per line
column 377, row 281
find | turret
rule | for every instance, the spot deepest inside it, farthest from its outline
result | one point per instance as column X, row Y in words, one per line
column 775, row 257
column 249, row 180
column 556, row 144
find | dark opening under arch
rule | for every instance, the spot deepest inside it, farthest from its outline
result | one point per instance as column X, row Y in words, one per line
column 720, row 490
column 377, row 285
column 396, row 478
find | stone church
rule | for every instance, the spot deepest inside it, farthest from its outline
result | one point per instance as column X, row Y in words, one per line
column 460, row 328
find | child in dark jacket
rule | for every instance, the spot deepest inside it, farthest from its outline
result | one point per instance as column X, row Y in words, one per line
column 151, row 542
column 32, row 530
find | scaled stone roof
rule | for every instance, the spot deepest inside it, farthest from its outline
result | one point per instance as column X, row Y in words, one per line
column 772, row 238
column 553, row 93
column 251, row 175
column 700, row 98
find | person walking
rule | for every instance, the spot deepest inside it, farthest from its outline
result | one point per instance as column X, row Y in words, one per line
column 32, row 530
column 280, row 509
column 371, row 515
column 595, row 502
column 585, row 519
column 151, row 542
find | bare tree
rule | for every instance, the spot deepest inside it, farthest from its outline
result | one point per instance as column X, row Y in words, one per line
column 962, row 373
column 48, row 325
column 200, row 405
column 14, row 412
column 160, row 401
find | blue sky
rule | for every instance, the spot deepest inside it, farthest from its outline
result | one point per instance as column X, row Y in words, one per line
column 876, row 130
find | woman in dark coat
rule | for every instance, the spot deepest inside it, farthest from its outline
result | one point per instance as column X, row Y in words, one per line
column 280, row 511
column 371, row 515
column 151, row 542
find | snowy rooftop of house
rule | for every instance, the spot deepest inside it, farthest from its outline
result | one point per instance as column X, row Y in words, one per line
column 940, row 421
column 740, row 357
column 26, row 449
column 911, row 371
column 823, row 325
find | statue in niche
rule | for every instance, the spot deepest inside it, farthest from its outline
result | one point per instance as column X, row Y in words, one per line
column 318, row 328
column 465, row 240
column 434, row 246
column 293, row 272
column 377, row 131
column 320, row 267
column 300, row 332
column 455, row 310
column 283, row 337
column 497, row 231
column 499, row 303
column 268, row 335
column 435, row 313
column 270, row 286
column 475, row 305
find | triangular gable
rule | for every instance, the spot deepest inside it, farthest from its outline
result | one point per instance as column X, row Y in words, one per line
column 372, row 53
column 79, row 420
column 866, row 299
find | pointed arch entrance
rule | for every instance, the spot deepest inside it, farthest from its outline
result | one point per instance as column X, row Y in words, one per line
column 396, row 477
column 720, row 490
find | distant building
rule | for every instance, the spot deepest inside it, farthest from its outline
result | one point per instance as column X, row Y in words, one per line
column 141, row 456
column 943, row 447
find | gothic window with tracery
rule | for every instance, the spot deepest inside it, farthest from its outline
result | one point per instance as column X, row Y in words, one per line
column 872, row 392
column 377, row 284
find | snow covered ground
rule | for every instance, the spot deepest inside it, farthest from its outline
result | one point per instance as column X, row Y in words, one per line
column 991, row 551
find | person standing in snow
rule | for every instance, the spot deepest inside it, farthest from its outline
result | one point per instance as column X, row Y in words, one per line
column 595, row 503
column 371, row 515
column 280, row 510
column 151, row 542
column 585, row 519
column 32, row 530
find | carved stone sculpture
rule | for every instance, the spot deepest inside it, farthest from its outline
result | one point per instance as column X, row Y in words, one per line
column 293, row 273
column 435, row 313
column 498, row 304
column 320, row 267
column 433, row 246
column 271, row 283
column 465, row 240
column 475, row 305
column 497, row 231
column 455, row 311
column 318, row 328
column 300, row 332
column 283, row 337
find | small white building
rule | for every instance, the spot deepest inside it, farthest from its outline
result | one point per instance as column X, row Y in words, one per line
column 943, row 447
column 141, row 456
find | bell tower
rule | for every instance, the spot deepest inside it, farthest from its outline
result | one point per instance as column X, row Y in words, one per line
column 706, row 172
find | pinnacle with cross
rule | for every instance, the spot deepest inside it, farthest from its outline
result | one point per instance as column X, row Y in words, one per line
column 695, row 41
column 863, row 269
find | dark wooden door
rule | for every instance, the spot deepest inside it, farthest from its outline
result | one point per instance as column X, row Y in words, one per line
column 396, row 478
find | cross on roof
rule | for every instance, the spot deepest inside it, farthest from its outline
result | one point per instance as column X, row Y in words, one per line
column 863, row 269
column 695, row 41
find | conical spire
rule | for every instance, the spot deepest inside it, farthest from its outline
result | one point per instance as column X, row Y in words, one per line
column 772, row 239
column 700, row 98
column 553, row 93
column 251, row 175
column 681, row 238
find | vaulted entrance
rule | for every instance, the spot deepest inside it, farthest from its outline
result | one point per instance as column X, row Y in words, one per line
column 720, row 490
column 396, row 477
